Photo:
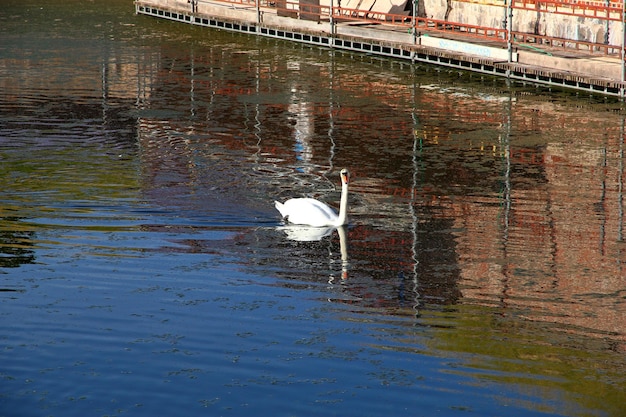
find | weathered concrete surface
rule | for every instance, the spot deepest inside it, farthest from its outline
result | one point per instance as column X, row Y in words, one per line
column 491, row 13
column 486, row 13
column 597, row 70
column 598, row 66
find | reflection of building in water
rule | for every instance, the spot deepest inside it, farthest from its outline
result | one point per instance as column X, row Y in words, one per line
column 553, row 245
column 301, row 117
column 483, row 209
column 51, row 121
column 534, row 226
column 303, row 129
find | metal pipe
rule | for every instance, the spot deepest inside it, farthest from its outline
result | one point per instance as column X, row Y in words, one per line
column 414, row 28
column 509, row 29
column 623, row 46
column 332, row 24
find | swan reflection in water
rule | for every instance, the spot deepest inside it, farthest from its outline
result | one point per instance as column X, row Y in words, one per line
column 311, row 220
column 301, row 233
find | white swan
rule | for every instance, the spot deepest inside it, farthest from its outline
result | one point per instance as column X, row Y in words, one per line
column 311, row 212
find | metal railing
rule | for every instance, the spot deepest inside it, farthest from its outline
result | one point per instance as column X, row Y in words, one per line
column 603, row 10
column 591, row 9
column 522, row 38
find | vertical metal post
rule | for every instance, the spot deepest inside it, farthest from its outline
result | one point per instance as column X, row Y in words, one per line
column 414, row 28
column 258, row 13
column 332, row 24
column 414, row 22
column 505, row 143
column 623, row 54
column 509, row 30
column 608, row 27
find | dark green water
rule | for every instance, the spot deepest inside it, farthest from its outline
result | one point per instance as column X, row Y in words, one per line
column 144, row 270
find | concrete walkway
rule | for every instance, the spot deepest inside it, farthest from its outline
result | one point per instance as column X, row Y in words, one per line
column 541, row 64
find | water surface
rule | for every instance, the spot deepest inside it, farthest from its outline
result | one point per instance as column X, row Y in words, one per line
column 144, row 270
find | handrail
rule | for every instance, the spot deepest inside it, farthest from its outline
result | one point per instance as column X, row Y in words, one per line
column 591, row 47
column 581, row 8
column 429, row 25
column 611, row 11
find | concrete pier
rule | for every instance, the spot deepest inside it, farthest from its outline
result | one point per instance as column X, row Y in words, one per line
column 567, row 68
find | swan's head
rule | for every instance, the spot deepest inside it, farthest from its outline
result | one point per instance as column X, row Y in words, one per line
column 345, row 176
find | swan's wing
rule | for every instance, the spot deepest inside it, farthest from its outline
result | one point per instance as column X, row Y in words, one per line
column 307, row 211
column 311, row 206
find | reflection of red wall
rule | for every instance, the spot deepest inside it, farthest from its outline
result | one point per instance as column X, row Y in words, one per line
column 548, row 247
column 557, row 251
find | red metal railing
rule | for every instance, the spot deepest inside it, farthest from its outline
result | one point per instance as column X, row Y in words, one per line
column 591, row 9
column 560, row 43
column 608, row 11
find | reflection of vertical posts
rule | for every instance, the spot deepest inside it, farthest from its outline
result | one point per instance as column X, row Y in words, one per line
column 194, row 174
column 506, row 147
column 192, row 85
column 603, row 201
column 331, row 117
column 506, row 195
column 105, row 83
column 620, row 185
column 139, row 83
column 257, row 112
column 145, row 68
column 417, row 151
column 620, row 192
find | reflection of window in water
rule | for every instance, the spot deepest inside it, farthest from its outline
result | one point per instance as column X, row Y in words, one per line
column 16, row 247
column 301, row 116
column 303, row 130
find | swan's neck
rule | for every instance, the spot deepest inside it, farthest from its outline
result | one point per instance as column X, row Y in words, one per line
column 343, row 206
